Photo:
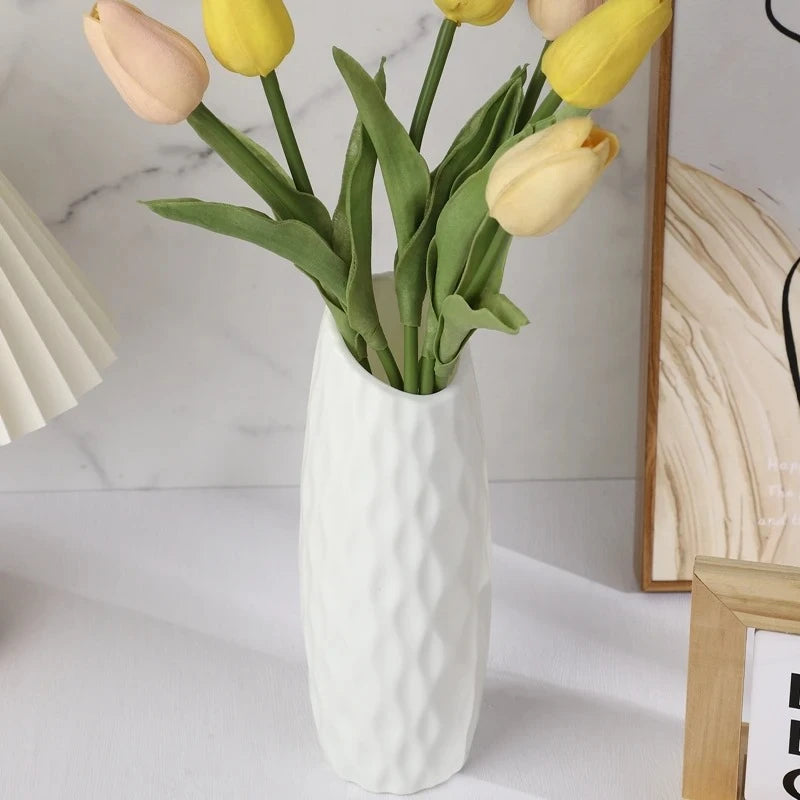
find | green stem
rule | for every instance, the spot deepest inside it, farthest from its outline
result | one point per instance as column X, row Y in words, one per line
column 390, row 368
column 532, row 94
column 548, row 107
column 432, row 78
column 426, row 385
column 411, row 365
column 283, row 125
column 216, row 135
column 365, row 364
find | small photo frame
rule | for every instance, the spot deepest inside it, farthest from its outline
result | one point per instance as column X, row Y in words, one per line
column 728, row 598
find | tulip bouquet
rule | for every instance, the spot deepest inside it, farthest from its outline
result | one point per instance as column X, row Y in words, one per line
column 519, row 166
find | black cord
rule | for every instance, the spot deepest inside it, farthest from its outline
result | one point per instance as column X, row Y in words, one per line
column 779, row 25
column 788, row 334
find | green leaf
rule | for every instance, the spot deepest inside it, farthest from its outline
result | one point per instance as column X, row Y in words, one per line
column 431, row 266
column 502, row 129
column 341, row 222
column 289, row 203
column 480, row 123
column 477, row 137
column 465, row 266
column 405, row 172
column 361, row 308
column 459, row 320
column 317, row 212
column 261, row 172
column 354, row 341
column 352, row 231
column 291, row 239
column 266, row 158
column 458, row 224
column 486, row 262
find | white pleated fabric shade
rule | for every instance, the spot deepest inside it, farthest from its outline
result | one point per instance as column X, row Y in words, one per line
column 55, row 336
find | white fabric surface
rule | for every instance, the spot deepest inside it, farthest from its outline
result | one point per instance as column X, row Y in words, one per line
column 150, row 647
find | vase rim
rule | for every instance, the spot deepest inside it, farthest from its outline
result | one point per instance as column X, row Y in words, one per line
column 442, row 396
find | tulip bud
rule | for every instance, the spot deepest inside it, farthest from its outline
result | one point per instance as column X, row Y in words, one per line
column 475, row 12
column 537, row 184
column 553, row 17
column 591, row 63
column 250, row 37
column 160, row 74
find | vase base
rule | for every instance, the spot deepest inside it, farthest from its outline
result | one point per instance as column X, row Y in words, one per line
column 397, row 788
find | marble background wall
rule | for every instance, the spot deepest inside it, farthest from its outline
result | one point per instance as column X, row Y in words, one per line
column 218, row 336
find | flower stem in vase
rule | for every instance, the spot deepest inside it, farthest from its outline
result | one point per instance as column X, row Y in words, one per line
column 533, row 92
column 283, row 125
column 432, row 78
column 411, row 362
column 548, row 107
column 427, row 377
column 390, row 367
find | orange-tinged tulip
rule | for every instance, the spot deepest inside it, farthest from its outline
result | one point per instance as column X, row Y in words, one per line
column 158, row 72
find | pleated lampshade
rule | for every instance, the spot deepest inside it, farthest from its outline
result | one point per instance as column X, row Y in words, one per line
column 55, row 336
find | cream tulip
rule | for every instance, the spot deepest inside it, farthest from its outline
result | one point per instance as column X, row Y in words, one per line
column 160, row 74
column 553, row 17
column 536, row 185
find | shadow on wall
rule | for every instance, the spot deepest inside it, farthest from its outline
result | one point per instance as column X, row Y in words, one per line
column 587, row 528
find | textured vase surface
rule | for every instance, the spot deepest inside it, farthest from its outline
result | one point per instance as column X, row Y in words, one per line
column 394, row 562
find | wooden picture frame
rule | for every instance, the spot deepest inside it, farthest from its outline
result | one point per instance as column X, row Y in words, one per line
column 719, row 469
column 728, row 597
column 658, row 149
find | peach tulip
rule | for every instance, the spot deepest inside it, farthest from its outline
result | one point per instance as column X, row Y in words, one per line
column 158, row 72
column 553, row 17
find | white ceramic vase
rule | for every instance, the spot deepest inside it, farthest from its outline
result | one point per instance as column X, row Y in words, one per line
column 394, row 563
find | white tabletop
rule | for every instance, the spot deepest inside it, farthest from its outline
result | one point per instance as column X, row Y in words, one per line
column 150, row 647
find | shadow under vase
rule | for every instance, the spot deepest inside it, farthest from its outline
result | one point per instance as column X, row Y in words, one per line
column 542, row 739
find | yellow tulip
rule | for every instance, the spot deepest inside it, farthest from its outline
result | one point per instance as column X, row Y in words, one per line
column 160, row 74
column 475, row 12
column 250, row 37
column 535, row 186
column 553, row 17
column 594, row 60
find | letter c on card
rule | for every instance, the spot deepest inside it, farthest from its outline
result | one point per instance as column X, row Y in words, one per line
column 789, row 784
